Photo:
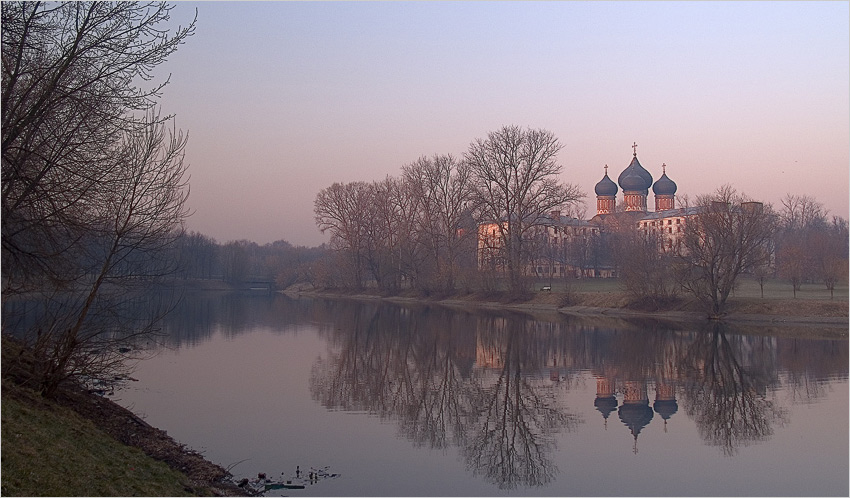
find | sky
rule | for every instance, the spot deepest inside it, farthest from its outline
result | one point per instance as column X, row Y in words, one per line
column 282, row 99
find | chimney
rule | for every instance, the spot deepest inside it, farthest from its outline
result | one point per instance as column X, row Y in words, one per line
column 555, row 215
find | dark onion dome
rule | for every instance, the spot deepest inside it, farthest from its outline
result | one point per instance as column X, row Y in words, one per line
column 664, row 185
column 632, row 181
column 643, row 174
column 606, row 186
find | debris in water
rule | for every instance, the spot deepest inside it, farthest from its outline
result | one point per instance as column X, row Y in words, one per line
column 262, row 483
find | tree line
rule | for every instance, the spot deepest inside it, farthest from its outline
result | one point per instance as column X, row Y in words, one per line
column 420, row 230
column 198, row 256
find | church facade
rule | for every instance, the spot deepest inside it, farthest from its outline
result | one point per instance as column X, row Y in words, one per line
column 564, row 246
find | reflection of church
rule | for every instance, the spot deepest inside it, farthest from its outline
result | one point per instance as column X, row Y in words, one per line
column 634, row 412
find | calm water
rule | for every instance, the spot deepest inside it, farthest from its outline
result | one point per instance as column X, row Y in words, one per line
column 418, row 400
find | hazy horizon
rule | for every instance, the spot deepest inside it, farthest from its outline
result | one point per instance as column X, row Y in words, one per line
column 282, row 99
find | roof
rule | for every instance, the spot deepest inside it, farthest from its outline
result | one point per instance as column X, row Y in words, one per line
column 670, row 213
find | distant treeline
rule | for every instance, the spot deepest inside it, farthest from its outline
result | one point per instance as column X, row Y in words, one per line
column 202, row 257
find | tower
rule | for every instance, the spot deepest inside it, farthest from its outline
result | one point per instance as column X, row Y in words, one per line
column 635, row 182
column 606, row 195
column 665, row 192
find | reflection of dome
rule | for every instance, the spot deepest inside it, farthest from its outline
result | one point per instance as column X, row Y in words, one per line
column 666, row 408
column 606, row 186
column 635, row 416
column 605, row 405
column 664, row 186
column 635, row 168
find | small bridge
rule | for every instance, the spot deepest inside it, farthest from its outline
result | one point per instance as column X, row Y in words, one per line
column 258, row 284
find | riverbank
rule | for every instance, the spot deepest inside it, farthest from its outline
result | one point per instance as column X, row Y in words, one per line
column 823, row 318
column 82, row 444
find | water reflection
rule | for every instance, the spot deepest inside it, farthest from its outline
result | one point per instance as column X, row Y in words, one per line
column 507, row 392
column 493, row 384
column 449, row 379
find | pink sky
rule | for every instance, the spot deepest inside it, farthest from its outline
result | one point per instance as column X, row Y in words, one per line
column 281, row 99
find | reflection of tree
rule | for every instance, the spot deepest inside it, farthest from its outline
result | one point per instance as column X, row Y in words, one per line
column 726, row 395
column 403, row 365
column 810, row 366
column 415, row 367
column 517, row 420
column 437, row 410
column 489, row 383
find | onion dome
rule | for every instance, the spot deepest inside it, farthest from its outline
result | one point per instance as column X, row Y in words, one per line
column 639, row 171
column 664, row 185
column 606, row 186
column 632, row 181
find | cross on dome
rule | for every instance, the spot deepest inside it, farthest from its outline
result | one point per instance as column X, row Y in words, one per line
column 634, row 148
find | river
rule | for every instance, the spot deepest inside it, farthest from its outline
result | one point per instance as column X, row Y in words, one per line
column 412, row 400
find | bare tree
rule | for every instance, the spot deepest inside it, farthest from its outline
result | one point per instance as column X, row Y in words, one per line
column 341, row 209
column 793, row 261
column 810, row 248
column 127, row 242
column 93, row 180
column 70, row 93
column 385, row 227
column 646, row 267
column 443, row 187
column 801, row 211
column 830, row 254
column 720, row 243
column 516, row 178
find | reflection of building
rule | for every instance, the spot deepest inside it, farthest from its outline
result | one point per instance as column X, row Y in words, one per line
column 634, row 412
column 605, row 401
column 665, row 402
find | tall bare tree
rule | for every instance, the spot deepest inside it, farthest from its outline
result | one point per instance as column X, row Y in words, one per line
column 93, row 180
column 128, row 241
column 724, row 240
column 829, row 250
column 341, row 209
column 443, row 186
column 515, row 172
column 810, row 248
column 71, row 76
column 646, row 267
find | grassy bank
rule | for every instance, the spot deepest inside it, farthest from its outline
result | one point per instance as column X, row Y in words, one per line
column 49, row 450
column 813, row 302
column 80, row 444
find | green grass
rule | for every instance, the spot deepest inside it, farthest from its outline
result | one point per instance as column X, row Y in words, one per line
column 48, row 450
